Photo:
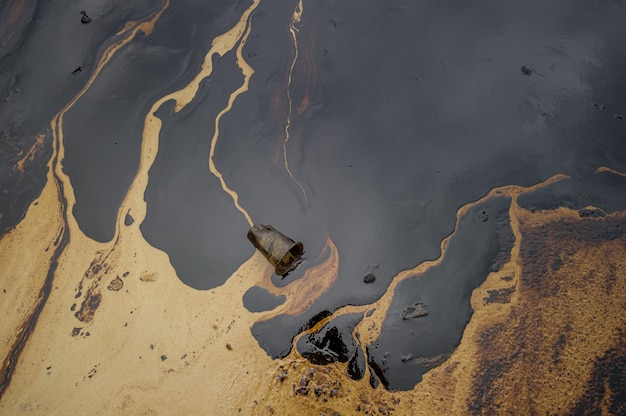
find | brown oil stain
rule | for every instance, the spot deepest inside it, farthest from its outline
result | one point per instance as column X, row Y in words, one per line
column 35, row 149
column 15, row 11
column 302, row 293
column 563, row 321
column 116, row 284
column 89, row 306
column 13, row 14
column 308, row 68
column 499, row 295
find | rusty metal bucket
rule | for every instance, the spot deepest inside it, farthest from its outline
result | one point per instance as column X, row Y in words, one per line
column 281, row 251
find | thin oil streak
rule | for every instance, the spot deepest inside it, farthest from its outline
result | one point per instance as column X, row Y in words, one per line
column 129, row 32
column 135, row 197
column 609, row 170
column 247, row 71
column 59, row 177
column 295, row 18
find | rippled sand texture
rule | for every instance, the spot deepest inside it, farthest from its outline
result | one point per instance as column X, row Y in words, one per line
column 109, row 328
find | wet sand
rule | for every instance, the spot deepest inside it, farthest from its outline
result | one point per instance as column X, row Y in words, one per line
column 489, row 196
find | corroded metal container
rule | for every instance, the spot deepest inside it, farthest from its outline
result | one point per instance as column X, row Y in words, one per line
column 281, row 251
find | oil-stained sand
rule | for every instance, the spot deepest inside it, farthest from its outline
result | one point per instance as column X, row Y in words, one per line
column 108, row 327
column 545, row 347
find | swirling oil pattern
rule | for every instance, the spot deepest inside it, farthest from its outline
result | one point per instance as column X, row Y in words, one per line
column 455, row 170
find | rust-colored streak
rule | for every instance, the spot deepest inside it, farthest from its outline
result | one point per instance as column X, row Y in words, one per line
column 301, row 71
column 15, row 11
column 277, row 117
column 303, row 292
column 296, row 20
column 306, row 68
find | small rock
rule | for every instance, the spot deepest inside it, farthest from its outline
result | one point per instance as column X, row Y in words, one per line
column 369, row 278
column 85, row 19
column 229, row 347
column 415, row 311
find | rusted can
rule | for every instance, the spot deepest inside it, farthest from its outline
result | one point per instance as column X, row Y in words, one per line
column 281, row 251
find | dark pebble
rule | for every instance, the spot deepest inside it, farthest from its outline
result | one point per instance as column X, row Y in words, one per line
column 85, row 19
column 415, row 311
